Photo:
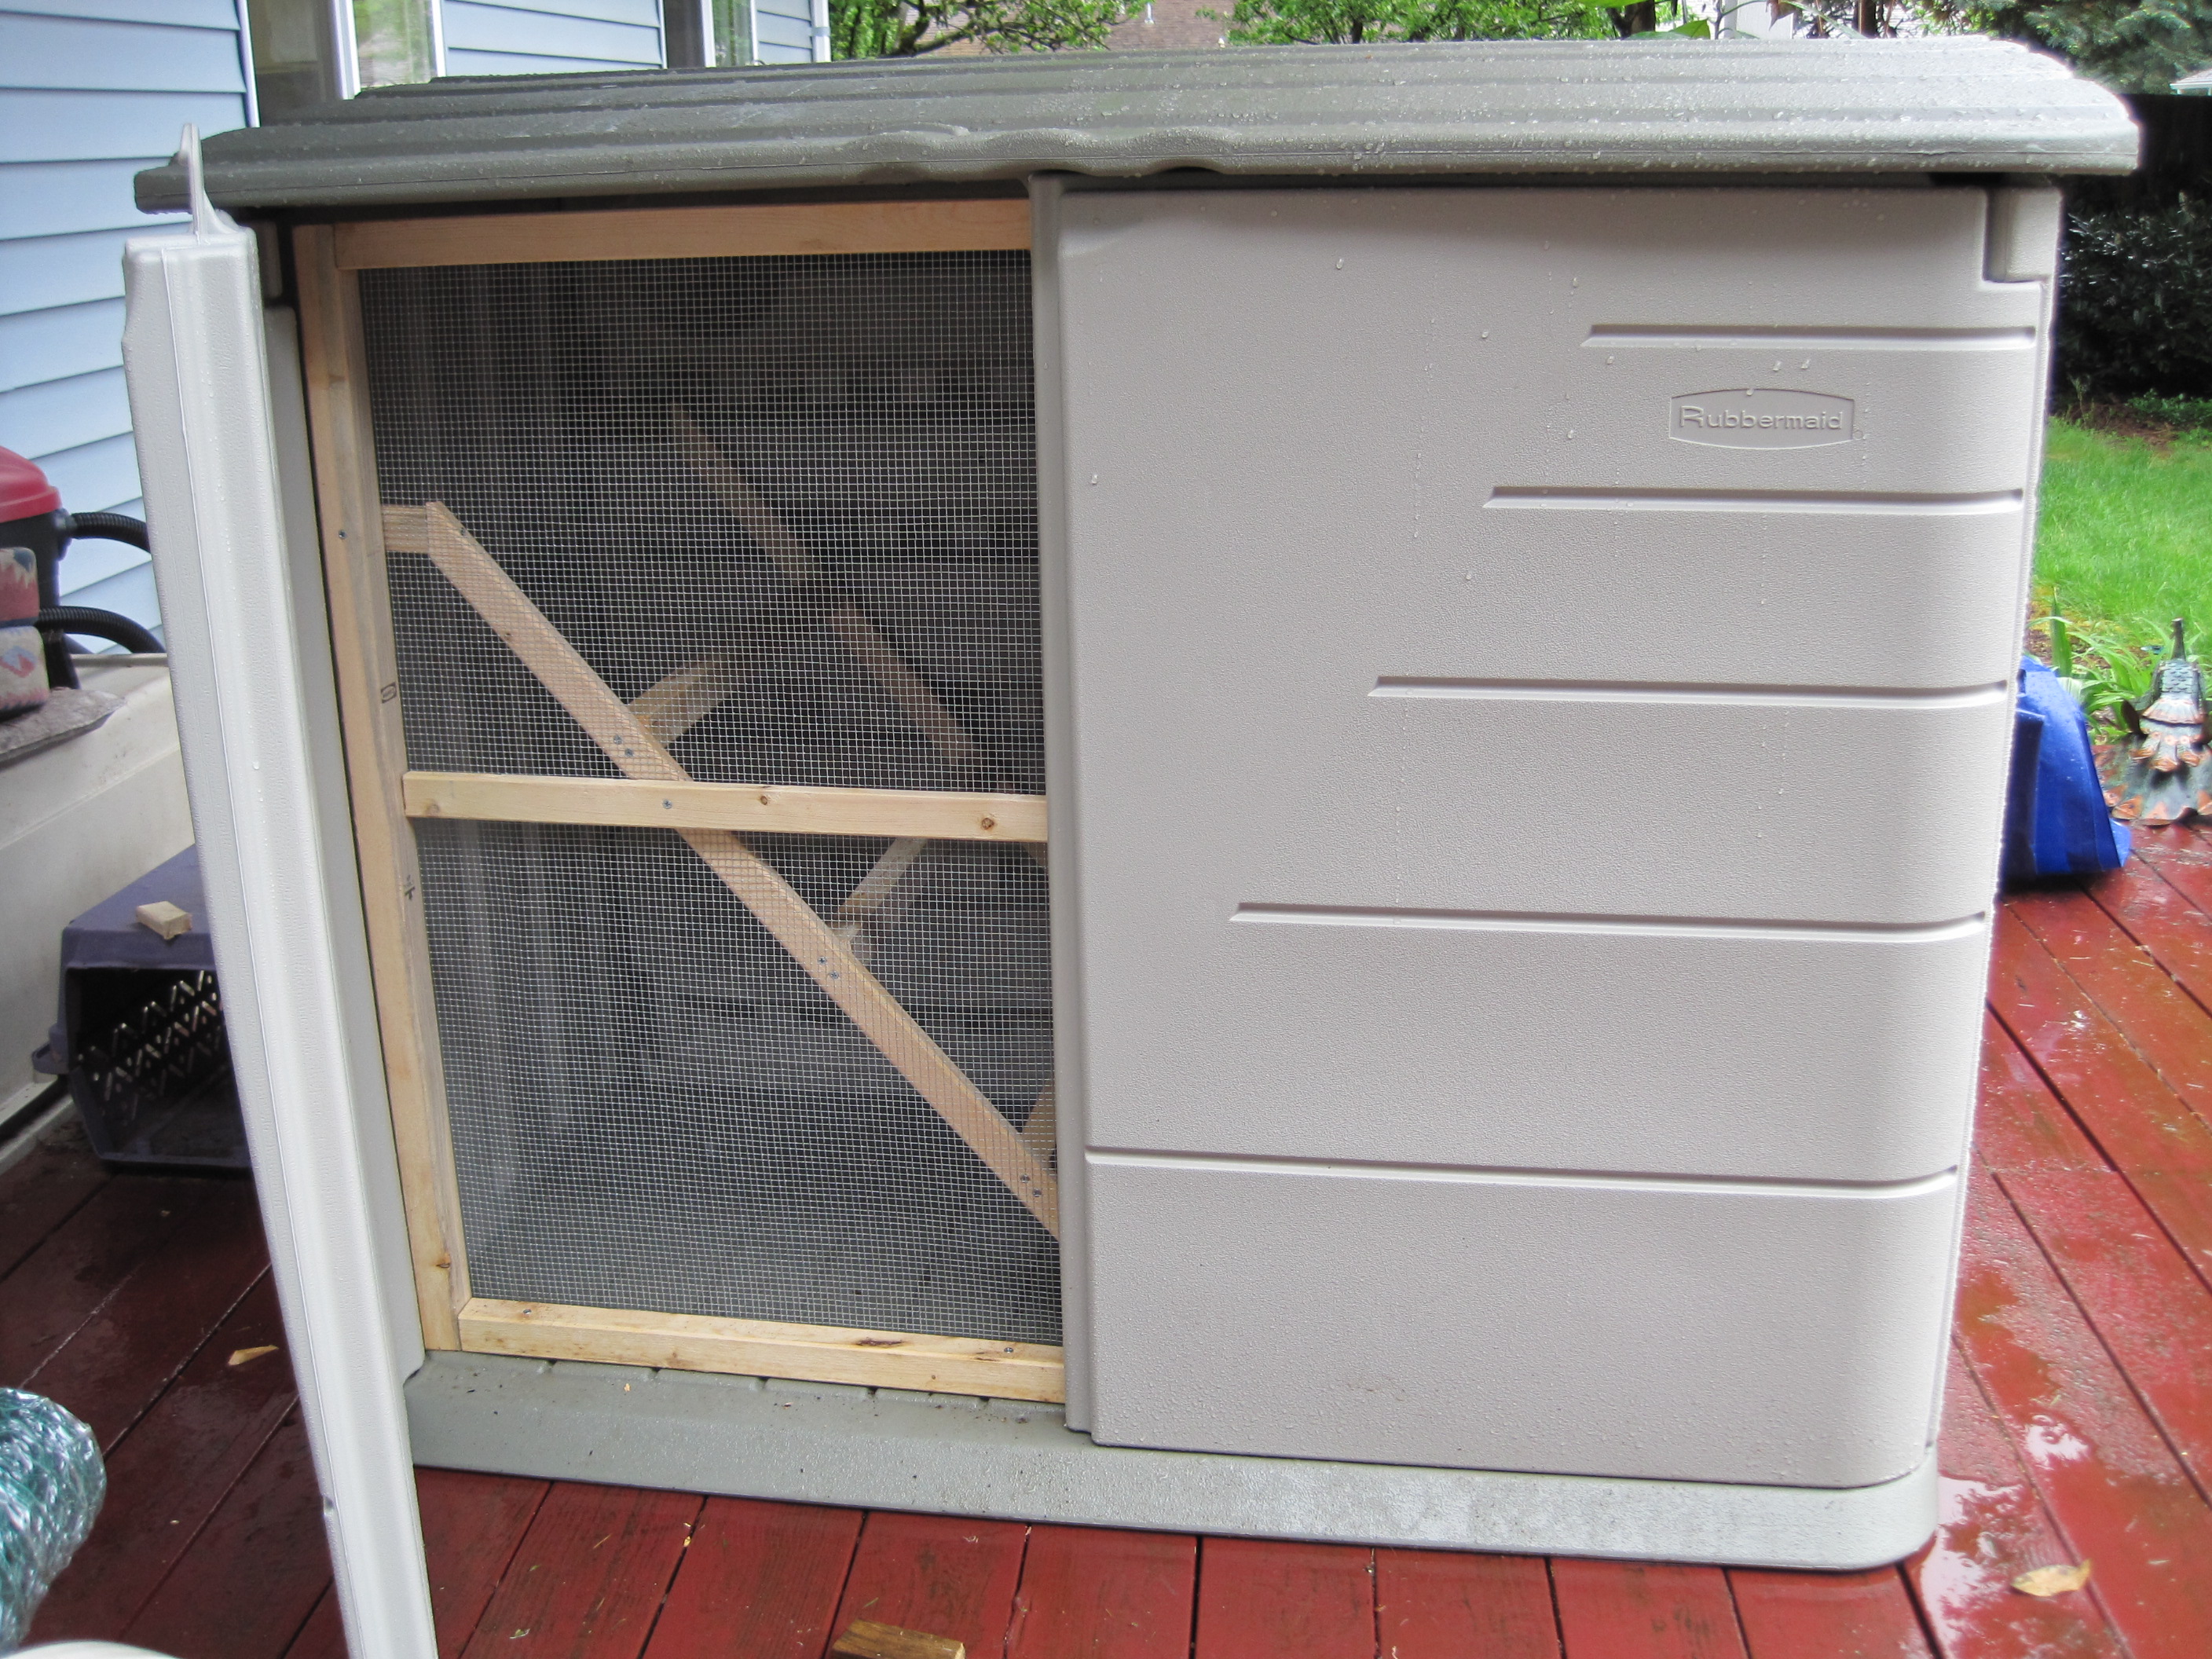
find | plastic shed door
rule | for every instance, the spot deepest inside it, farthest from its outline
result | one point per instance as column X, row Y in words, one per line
column 1540, row 673
column 215, row 383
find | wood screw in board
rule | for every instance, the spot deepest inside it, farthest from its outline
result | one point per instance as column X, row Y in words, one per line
column 863, row 1640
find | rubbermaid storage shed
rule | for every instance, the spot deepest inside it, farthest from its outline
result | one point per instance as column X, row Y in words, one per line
column 1505, row 563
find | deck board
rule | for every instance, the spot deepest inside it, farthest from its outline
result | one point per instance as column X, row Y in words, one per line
column 2019, row 1124
column 941, row 1574
column 250, row 1579
column 759, row 1579
column 168, row 1474
column 1105, row 1595
column 58, row 1287
column 2078, row 1422
column 588, row 1578
column 2149, row 900
column 1260, row 1599
column 2120, row 1497
column 43, row 1189
column 323, row 1636
column 2137, row 1122
column 1993, row 1527
column 472, row 1524
column 1848, row 1616
column 116, row 1364
column 2138, row 1294
column 1439, row 1604
column 1638, row 1610
column 2163, row 1024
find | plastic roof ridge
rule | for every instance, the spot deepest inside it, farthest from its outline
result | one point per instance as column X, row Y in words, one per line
column 1466, row 109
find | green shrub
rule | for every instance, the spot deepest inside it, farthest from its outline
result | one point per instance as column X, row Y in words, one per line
column 2103, row 673
column 2134, row 310
column 2182, row 413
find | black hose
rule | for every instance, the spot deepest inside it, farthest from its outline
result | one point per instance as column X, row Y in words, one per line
column 108, row 528
column 98, row 625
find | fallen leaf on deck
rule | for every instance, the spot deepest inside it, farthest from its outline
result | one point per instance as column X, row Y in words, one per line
column 247, row 1356
column 2052, row 1581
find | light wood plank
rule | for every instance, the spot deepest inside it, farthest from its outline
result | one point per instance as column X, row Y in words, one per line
column 1040, row 1134
column 908, row 689
column 789, row 919
column 880, row 898
column 376, row 757
column 890, row 670
column 729, row 486
column 406, row 529
column 675, row 705
column 749, row 1347
column 696, row 233
column 866, row 1639
column 790, row 809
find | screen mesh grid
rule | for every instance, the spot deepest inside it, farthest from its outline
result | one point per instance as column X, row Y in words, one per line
column 772, row 462
column 880, row 406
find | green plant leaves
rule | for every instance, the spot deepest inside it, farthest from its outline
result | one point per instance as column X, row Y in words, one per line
column 1353, row 22
column 2134, row 310
column 2103, row 670
column 911, row 28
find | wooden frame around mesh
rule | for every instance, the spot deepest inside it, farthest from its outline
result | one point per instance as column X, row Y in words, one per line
column 360, row 532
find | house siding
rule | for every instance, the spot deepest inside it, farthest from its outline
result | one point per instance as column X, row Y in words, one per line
column 783, row 32
column 91, row 91
column 551, row 37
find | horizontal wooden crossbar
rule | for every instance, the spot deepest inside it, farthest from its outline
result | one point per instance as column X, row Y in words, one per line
column 625, row 737
column 695, row 232
column 927, row 814
column 754, row 1347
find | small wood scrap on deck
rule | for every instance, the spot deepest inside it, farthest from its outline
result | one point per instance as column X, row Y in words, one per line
column 864, row 1640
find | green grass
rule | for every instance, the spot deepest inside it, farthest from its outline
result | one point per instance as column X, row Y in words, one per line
column 2125, row 541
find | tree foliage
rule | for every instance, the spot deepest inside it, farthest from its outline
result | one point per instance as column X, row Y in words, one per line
column 2131, row 45
column 2135, row 312
column 912, row 28
column 1354, row 22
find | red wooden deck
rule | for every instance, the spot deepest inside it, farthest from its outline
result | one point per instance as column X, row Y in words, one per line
column 2079, row 1425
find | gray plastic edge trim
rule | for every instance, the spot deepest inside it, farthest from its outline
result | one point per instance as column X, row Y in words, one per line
column 1058, row 641
column 950, row 1455
column 1430, row 110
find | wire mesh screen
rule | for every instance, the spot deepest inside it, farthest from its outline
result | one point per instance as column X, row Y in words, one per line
column 817, row 475
column 588, row 422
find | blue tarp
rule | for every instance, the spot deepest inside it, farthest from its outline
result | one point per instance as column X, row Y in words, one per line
column 2056, row 820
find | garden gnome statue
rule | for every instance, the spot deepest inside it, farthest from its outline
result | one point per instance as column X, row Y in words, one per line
column 2158, row 774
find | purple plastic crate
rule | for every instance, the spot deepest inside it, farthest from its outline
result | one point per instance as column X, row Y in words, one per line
column 141, row 1036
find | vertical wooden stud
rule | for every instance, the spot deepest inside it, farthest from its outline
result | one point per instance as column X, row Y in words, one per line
column 347, row 507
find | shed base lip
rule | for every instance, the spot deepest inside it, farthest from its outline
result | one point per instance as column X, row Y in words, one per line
column 817, row 1443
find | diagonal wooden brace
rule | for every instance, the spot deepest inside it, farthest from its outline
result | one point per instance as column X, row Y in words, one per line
column 630, row 742
column 888, row 670
column 891, row 670
column 673, row 706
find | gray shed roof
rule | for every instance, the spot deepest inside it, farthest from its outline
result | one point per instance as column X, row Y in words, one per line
column 1365, row 112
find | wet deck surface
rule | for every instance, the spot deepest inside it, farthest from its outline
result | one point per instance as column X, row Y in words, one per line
column 2079, row 1425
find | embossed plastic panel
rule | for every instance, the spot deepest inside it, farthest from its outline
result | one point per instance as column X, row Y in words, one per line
column 1668, row 1330
column 1554, row 720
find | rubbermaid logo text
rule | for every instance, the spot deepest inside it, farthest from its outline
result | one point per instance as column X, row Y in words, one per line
column 1760, row 417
